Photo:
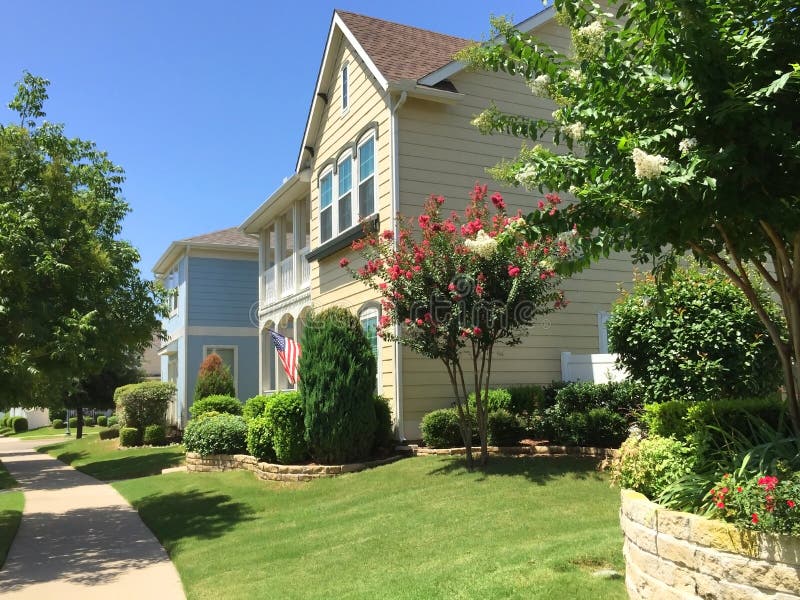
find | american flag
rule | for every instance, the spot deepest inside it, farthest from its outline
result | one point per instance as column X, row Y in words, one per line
column 288, row 352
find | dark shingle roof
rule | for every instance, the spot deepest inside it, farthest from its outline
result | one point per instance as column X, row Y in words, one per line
column 399, row 51
column 224, row 237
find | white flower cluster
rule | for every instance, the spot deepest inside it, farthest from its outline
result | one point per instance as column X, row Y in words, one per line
column 528, row 176
column 482, row 245
column 574, row 131
column 483, row 122
column 589, row 39
column 576, row 76
column 648, row 166
column 573, row 189
column 686, row 145
column 540, row 86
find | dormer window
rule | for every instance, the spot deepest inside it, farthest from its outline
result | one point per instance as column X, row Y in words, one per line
column 345, row 88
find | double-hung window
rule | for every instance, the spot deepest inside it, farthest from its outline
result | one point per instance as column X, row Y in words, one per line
column 369, row 323
column 326, row 206
column 366, row 177
column 353, row 183
column 345, row 176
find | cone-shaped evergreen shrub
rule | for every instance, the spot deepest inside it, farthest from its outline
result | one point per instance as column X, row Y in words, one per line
column 337, row 382
column 213, row 379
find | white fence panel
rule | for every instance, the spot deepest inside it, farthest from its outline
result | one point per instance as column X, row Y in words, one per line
column 596, row 368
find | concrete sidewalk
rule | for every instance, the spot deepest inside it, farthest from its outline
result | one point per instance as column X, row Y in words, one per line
column 78, row 538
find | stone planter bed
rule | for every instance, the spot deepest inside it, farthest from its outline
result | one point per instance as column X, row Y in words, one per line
column 273, row 472
column 671, row 554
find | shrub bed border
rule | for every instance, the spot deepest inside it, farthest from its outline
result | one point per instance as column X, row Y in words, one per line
column 273, row 472
column 670, row 554
column 518, row 451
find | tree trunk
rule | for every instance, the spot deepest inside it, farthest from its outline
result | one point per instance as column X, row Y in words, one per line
column 79, row 428
column 465, row 425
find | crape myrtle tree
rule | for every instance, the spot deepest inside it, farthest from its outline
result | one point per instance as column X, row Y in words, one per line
column 72, row 300
column 454, row 287
column 680, row 132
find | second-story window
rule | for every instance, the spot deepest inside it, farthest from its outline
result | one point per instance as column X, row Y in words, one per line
column 171, row 284
column 345, row 88
column 355, row 189
column 326, row 206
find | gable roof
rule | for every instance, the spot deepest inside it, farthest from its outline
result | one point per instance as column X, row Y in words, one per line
column 223, row 239
column 400, row 51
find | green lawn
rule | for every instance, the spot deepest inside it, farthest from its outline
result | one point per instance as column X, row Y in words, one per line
column 11, row 504
column 46, row 432
column 420, row 528
column 103, row 458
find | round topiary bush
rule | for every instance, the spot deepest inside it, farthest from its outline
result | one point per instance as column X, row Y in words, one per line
column 110, row 433
column 19, row 424
column 130, row 436
column 213, row 379
column 440, row 429
column 58, row 424
column 285, row 419
column 254, row 407
column 143, row 404
column 102, row 421
column 259, row 439
column 155, row 435
column 113, row 420
column 88, row 421
column 73, row 422
column 337, row 381
column 504, row 428
column 220, row 404
column 218, row 434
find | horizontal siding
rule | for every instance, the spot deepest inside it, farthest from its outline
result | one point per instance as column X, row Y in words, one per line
column 222, row 292
column 247, row 363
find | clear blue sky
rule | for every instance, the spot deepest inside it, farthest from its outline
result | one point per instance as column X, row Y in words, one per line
column 202, row 103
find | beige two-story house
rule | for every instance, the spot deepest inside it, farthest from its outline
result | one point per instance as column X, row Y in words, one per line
column 389, row 124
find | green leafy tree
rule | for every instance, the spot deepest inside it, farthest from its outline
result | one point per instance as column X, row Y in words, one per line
column 457, row 287
column 698, row 338
column 213, row 379
column 337, row 381
column 680, row 133
column 72, row 300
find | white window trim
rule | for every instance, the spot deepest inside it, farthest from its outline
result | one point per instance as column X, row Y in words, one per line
column 370, row 311
column 174, row 296
column 344, row 78
column 207, row 347
column 355, row 183
column 602, row 331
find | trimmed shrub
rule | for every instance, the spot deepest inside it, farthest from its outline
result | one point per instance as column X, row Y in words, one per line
column 254, row 407
column 57, row 413
column 73, row 422
column 550, row 391
column 259, row 439
column 213, row 379
column 604, row 428
column 102, row 421
column 130, row 436
column 113, row 420
column 19, row 424
column 218, row 434
column 285, row 419
column 504, row 428
column 88, row 421
column 695, row 338
column 143, row 404
column 220, row 404
column 497, row 399
column 337, row 381
column 58, row 424
column 525, row 399
column 649, row 465
column 440, row 429
column 109, row 433
column 383, row 423
column 155, row 435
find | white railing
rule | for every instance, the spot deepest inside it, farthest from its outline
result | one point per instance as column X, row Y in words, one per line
column 287, row 276
column 305, row 268
column 270, row 291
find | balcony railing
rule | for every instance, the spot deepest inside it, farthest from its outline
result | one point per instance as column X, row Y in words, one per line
column 270, row 291
column 305, row 268
column 287, row 276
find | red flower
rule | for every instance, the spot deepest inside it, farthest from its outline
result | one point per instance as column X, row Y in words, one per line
column 479, row 290
column 382, row 285
column 451, row 287
column 440, row 199
column 754, row 518
column 768, row 482
column 720, row 505
column 477, row 331
column 357, row 245
column 385, row 321
column 343, row 263
column 388, row 234
column 513, row 271
column 739, row 489
column 497, row 200
column 424, row 220
column 540, row 206
column 790, row 503
column 420, row 322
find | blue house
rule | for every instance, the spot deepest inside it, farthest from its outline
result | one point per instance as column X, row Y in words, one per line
column 214, row 283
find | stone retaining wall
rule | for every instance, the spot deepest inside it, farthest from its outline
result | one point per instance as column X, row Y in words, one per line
column 518, row 451
column 271, row 472
column 671, row 554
